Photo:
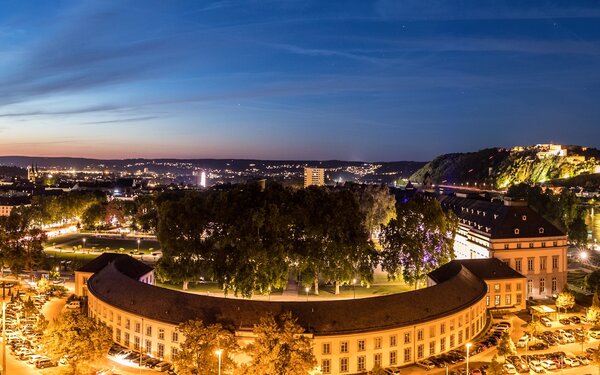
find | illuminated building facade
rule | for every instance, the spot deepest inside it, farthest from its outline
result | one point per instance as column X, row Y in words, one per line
column 314, row 176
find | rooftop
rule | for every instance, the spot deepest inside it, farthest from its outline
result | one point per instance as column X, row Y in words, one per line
column 500, row 220
column 486, row 269
column 113, row 286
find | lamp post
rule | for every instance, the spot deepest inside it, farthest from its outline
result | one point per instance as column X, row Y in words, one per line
column 138, row 241
column 219, row 352
column 354, row 287
column 269, row 294
column 468, row 347
column 307, row 289
column 83, row 242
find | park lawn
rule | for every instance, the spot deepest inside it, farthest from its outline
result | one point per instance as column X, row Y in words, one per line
column 207, row 287
column 100, row 243
column 346, row 291
column 66, row 255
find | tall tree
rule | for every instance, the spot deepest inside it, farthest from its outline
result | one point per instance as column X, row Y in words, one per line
column 77, row 338
column 197, row 353
column 419, row 240
column 506, row 346
column 23, row 242
column 495, row 367
column 565, row 300
column 279, row 348
column 376, row 204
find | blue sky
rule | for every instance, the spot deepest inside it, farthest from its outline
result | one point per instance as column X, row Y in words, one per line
column 354, row 80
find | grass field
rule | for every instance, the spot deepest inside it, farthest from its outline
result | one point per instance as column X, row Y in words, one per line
column 68, row 242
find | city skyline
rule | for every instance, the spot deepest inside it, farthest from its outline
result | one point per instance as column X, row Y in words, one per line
column 371, row 81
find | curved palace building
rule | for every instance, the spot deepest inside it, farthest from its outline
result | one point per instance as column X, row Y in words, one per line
column 348, row 336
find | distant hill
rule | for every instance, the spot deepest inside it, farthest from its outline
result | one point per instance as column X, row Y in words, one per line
column 503, row 167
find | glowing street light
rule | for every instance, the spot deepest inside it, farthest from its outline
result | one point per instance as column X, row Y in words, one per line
column 84, row 239
column 307, row 289
column 138, row 241
column 468, row 347
column 583, row 255
column 354, row 287
column 219, row 352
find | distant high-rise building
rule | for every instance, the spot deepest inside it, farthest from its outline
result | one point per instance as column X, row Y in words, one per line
column 203, row 179
column 314, row 176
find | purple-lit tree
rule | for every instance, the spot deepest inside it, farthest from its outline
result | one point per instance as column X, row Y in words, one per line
column 418, row 240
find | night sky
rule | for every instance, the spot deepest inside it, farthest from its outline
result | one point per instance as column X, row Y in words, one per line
column 324, row 79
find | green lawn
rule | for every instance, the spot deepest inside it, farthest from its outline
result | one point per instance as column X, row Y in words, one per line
column 67, row 242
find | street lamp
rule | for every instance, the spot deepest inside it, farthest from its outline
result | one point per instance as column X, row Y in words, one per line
column 307, row 289
column 219, row 352
column 468, row 347
column 354, row 287
column 138, row 241
column 83, row 242
column 583, row 255
column 269, row 294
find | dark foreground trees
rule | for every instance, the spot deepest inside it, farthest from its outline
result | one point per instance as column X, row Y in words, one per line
column 280, row 348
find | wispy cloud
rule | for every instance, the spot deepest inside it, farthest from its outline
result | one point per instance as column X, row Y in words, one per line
column 122, row 120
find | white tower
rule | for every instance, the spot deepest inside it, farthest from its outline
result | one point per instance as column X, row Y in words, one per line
column 203, row 179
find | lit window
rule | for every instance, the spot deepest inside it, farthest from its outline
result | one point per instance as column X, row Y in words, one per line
column 393, row 358
column 343, row 364
column 361, row 345
column 326, row 366
column 327, row 348
column 344, row 347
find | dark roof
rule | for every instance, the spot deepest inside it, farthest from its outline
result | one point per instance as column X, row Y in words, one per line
column 318, row 317
column 486, row 269
column 127, row 265
column 498, row 220
column 15, row 201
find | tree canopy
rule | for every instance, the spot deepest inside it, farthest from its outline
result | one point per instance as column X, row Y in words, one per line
column 280, row 348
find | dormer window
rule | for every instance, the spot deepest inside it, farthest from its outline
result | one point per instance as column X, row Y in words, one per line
column 524, row 217
column 495, row 216
column 541, row 230
column 517, row 231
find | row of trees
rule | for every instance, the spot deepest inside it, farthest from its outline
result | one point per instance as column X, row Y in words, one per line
column 562, row 209
column 279, row 348
column 248, row 239
column 21, row 243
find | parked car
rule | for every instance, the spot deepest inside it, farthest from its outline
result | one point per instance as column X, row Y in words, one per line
column 522, row 342
column 575, row 319
column 45, row 363
column 509, row 368
column 594, row 333
column 162, row 366
column 545, row 321
column 73, row 305
column 538, row 346
column 564, row 321
column 426, row 364
column 571, row 361
column 536, row 366
column 548, row 364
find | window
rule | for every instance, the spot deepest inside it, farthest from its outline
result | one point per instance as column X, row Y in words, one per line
column 407, row 355
column 344, row 347
column 517, row 231
column 393, row 358
column 505, row 246
column 531, row 245
column 530, row 264
column 460, row 337
column 451, row 324
column 432, row 348
column 393, row 340
column 127, row 324
column 175, row 336
column 136, row 343
column 137, row 327
column 542, row 263
column 361, row 363
column 554, row 284
column 407, row 338
column 529, row 286
column 343, row 364
column 118, row 320
column 118, row 335
column 326, row 366
column 518, row 298
column 555, row 243
column 487, row 300
column 507, row 287
column 110, row 315
column 524, row 217
column 148, row 346
column 420, row 335
column 377, row 342
column 467, row 333
column 442, row 328
column 432, row 331
column 420, row 353
column 542, row 285
column 519, row 246
column 160, row 350
column 161, row 334
column 555, row 262
column 496, row 300
column 442, row 344
column 148, row 330
column 543, row 244
column 507, row 299
column 497, row 288
column 518, row 287
column 126, row 339
column 326, row 348
column 541, row 230
column 361, row 345
column 518, row 265
column 377, row 359
column 174, row 352
column 451, row 341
